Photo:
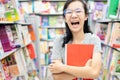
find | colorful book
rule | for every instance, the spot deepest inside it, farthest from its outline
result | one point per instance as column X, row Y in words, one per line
column 78, row 54
column 32, row 33
column 31, row 51
column 113, row 9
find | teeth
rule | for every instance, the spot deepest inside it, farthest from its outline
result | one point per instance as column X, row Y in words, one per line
column 74, row 23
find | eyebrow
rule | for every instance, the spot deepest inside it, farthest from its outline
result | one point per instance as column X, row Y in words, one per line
column 74, row 9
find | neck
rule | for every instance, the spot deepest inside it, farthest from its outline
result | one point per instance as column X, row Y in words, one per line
column 78, row 38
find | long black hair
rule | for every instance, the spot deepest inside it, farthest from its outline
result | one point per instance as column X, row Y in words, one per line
column 69, row 35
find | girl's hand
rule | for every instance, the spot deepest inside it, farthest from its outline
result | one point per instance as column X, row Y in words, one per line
column 56, row 67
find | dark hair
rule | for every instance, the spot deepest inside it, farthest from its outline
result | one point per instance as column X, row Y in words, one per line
column 69, row 35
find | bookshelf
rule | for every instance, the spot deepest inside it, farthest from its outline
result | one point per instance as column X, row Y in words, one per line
column 21, row 42
column 109, row 51
column 106, row 27
column 17, row 50
column 52, row 25
column 49, row 25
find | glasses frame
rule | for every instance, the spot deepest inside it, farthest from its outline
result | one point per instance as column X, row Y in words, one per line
column 78, row 11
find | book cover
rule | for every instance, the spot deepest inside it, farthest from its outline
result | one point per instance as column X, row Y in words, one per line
column 45, row 21
column 51, row 34
column 52, row 21
column 1, row 50
column 32, row 33
column 60, row 6
column 31, row 51
column 43, row 32
column 98, row 11
column 117, row 69
column 78, row 54
column 4, row 39
column 113, row 9
column 53, row 7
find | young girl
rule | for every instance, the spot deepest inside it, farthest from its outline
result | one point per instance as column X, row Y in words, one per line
column 77, row 32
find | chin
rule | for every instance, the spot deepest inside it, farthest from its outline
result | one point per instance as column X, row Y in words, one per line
column 75, row 31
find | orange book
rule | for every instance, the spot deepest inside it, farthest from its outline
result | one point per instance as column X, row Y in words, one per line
column 78, row 54
column 31, row 32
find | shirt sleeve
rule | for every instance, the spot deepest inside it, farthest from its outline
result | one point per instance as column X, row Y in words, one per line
column 97, row 43
column 57, row 48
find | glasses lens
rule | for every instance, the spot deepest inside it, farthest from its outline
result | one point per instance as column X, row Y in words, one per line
column 68, row 11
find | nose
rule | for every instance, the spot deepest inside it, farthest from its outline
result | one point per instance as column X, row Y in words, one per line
column 74, row 15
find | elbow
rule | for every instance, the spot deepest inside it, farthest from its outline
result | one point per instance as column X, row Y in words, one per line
column 95, row 74
column 56, row 77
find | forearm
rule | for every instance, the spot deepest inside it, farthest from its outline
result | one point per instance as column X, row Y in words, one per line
column 63, row 76
column 84, row 72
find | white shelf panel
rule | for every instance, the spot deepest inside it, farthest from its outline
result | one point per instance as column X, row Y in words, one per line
column 116, row 73
column 48, row 14
column 55, row 0
column 51, row 27
column 8, row 53
column 14, row 50
column 6, row 22
column 107, row 21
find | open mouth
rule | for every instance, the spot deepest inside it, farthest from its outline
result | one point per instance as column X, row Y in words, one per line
column 74, row 23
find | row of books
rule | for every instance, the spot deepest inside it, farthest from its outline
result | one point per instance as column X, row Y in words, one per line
column 105, row 10
column 52, row 21
column 45, row 56
column 42, row 7
column 50, row 34
column 109, row 35
column 13, row 36
column 9, row 10
column 111, row 65
column 16, row 64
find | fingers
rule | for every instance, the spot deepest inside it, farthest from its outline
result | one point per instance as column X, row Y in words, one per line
column 51, row 68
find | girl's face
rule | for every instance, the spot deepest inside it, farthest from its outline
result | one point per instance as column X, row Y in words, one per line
column 75, row 16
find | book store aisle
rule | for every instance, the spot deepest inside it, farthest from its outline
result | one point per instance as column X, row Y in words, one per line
column 29, row 27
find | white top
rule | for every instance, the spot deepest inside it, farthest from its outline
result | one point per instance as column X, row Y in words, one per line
column 58, row 51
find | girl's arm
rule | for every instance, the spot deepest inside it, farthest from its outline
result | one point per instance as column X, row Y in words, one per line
column 88, row 71
column 62, row 75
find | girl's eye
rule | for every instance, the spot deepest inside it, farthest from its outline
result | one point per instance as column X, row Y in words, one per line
column 68, row 12
column 78, row 11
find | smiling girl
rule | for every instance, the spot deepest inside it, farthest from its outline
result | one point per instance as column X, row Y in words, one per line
column 77, row 32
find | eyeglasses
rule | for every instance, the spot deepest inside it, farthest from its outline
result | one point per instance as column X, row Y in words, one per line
column 78, row 11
